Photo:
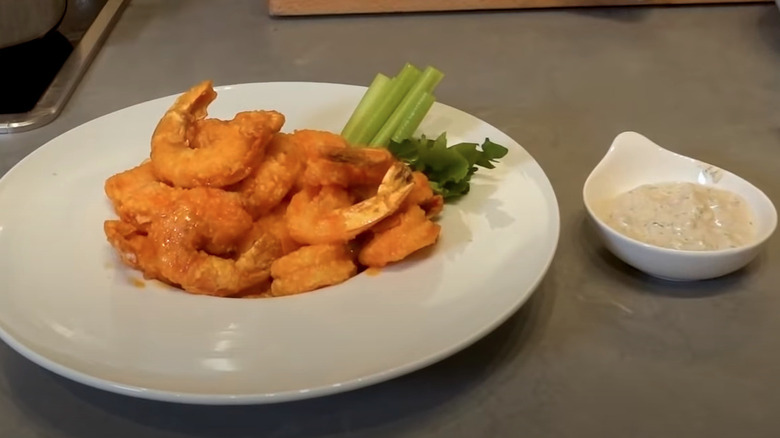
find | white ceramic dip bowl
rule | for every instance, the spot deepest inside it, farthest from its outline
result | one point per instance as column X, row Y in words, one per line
column 634, row 160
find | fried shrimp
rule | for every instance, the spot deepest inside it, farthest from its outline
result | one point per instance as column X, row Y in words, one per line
column 189, row 150
column 183, row 234
column 273, row 177
column 137, row 196
column 134, row 248
column 331, row 162
column 275, row 223
column 314, row 143
column 237, row 208
column 224, row 219
column 421, row 195
column 413, row 232
column 311, row 267
column 325, row 215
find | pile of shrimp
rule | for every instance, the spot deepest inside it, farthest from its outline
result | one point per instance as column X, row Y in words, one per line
column 238, row 208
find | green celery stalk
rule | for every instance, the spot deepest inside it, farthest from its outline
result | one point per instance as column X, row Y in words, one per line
column 411, row 122
column 399, row 87
column 429, row 79
column 374, row 95
column 427, row 82
column 382, row 137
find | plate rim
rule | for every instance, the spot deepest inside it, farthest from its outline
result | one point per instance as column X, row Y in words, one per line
column 197, row 398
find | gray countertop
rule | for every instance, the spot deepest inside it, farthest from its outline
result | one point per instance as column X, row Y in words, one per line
column 600, row 350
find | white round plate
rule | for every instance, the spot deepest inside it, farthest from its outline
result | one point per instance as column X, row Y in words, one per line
column 69, row 305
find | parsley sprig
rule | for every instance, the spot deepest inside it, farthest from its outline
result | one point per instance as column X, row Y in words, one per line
column 449, row 169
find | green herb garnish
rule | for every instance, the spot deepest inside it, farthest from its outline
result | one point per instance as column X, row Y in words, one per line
column 449, row 169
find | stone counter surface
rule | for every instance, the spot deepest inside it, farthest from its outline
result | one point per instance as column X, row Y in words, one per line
column 600, row 350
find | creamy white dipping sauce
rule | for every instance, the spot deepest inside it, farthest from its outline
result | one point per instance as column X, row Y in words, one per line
column 682, row 216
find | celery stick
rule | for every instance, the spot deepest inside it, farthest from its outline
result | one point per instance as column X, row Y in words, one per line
column 412, row 121
column 427, row 82
column 409, row 72
column 374, row 95
column 399, row 87
column 382, row 137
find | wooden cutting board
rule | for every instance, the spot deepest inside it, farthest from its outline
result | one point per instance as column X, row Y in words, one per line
column 330, row 7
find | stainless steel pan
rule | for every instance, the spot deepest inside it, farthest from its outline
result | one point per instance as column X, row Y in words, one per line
column 22, row 21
